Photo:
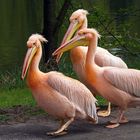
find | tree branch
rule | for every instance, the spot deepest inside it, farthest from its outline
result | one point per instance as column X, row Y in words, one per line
column 119, row 42
column 61, row 16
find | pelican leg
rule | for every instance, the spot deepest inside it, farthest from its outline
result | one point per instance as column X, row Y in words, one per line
column 120, row 119
column 105, row 113
column 61, row 131
column 124, row 120
column 62, row 123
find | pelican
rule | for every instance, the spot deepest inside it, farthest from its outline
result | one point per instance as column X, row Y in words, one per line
column 117, row 85
column 78, row 20
column 59, row 95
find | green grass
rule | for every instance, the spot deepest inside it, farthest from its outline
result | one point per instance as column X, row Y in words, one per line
column 10, row 98
column 13, row 90
column 10, row 79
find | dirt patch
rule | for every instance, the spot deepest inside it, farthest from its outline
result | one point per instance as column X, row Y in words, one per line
column 21, row 114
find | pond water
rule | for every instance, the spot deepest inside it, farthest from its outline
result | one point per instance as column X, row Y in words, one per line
column 21, row 18
column 113, row 7
column 131, row 15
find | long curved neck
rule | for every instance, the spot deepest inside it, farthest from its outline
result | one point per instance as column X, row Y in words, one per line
column 90, row 65
column 91, row 51
column 34, row 72
column 34, row 66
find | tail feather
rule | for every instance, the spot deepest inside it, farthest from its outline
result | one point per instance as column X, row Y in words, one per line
column 91, row 119
column 135, row 102
column 91, row 111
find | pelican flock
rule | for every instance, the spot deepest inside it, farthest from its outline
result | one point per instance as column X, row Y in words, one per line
column 78, row 20
column 117, row 85
column 100, row 72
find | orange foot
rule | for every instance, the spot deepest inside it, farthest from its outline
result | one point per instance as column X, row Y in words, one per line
column 113, row 125
column 104, row 113
column 123, row 120
column 56, row 134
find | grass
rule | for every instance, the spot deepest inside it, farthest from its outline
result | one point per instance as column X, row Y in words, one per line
column 10, row 98
column 18, row 105
column 11, row 79
column 13, row 90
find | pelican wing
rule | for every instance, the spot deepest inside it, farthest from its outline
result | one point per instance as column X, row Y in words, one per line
column 127, row 80
column 105, row 58
column 75, row 91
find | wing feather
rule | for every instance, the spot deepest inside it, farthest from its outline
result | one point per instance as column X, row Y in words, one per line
column 75, row 91
column 127, row 80
column 105, row 58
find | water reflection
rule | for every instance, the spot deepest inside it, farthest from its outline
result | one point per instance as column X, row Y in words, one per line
column 19, row 19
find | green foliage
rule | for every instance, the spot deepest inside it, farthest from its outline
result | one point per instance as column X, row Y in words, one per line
column 118, row 39
column 11, row 79
column 65, row 66
column 101, row 101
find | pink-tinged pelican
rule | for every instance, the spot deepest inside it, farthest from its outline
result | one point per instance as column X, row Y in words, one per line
column 59, row 95
column 78, row 20
column 117, row 85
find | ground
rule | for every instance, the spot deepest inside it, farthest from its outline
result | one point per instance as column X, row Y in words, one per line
column 33, row 124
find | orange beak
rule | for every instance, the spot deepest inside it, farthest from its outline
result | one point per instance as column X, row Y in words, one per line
column 68, row 35
column 29, row 55
column 78, row 40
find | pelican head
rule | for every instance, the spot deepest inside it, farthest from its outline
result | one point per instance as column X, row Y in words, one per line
column 78, row 19
column 33, row 43
column 81, row 39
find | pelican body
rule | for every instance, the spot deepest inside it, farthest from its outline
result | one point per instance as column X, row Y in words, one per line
column 117, row 85
column 78, row 21
column 59, row 95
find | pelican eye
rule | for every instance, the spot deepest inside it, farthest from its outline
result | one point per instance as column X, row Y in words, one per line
column 75, row 20
column 81, row 33
column 34, row 44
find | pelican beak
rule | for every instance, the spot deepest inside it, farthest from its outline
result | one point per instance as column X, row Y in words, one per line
column 27, row 60
column 78, row 40
column 68, row 35
column 71, row 30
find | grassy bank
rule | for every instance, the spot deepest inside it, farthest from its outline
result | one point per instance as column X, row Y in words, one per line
column 10, row 98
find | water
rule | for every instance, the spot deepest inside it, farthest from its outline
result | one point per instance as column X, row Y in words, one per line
column 19, row 19
column 125, row 12
column 113, row 8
